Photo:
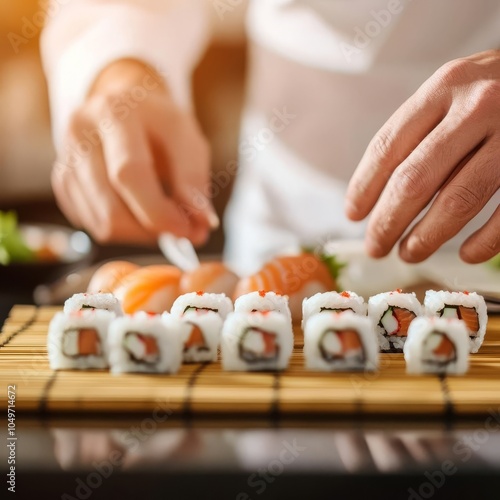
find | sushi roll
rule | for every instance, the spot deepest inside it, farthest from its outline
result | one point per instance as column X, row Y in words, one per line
column 201, row 302
column 437, row 345
column 391, row 314
column 263, row 301
column 145, row 343
column 467, row 306
column 332, row 301
column 202, row 336
column 82, row 301
column 340, row 342
column 78, row 340
column 256, row 341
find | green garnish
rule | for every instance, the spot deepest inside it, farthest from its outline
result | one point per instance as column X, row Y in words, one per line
column 331, row 262
column 334, row 266
column 494, row 262
column 12, row 246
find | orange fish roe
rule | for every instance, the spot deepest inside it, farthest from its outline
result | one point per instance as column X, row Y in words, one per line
column 466, row 292
column 200, row 292
column 262, row 293
column 345, row 294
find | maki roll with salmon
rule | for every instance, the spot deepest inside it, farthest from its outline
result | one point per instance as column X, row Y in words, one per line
column 391, row 314
column 201, row 336
column 263, row 301
column 340, row 342
column 82, row 301
column 332, row 302
column 78, row 340
column 145, row 343
column 467, row 306
column 201, row 302
column 256, row 341
column 437, row 345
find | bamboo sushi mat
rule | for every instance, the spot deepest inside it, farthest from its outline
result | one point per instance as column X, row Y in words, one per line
column 205, row 389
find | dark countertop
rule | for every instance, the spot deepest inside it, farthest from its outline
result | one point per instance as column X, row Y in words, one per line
column 143, row 456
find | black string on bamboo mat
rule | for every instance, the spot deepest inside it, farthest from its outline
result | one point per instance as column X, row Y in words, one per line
column 42, row 407
column 449, row 408
column 274, row 411
column 21, row 329
column 187, row 412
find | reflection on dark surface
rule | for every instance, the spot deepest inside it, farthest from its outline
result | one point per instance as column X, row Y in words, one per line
column 337, row 451
column 242, row 461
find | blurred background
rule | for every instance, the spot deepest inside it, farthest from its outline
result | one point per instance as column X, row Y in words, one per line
column 26, row 151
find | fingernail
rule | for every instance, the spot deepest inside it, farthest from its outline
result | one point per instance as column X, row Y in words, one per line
column 410, row 249
column 349, row 208
column 373, row 248
column 213, row 219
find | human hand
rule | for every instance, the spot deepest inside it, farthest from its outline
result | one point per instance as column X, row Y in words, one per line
column 445, row 139
column 133, row 164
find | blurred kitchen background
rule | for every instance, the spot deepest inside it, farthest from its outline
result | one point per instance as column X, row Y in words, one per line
column 26, row 151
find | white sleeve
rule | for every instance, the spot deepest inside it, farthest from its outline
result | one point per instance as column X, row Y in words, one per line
column 82, row 37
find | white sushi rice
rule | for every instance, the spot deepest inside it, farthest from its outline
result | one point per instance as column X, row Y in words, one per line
column 167, row 333
column 263, row 301
column 63, row 339
column 332, row 300
column 435, row 301
column 210, row 325
column 319, row 335
column 218, row 302
column 378, row 305
column 240, row 336
column 419, row 348
column 106, row 301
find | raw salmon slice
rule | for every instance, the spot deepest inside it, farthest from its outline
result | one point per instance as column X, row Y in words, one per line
column 196, row 339
column 88, row 342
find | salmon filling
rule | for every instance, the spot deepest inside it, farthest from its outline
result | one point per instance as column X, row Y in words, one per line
column 337, row 345
column 396, row 321
column 141, row 347
column 81, row 342
column 438, row 349
column 258, row 345
column 196, row 340
column 467, row 314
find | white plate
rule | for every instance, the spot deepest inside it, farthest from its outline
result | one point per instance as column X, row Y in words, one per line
column 451, row 273
column 367, row 276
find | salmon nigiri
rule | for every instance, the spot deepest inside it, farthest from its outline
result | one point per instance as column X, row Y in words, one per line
column 211, row 277
column 110, row 275
column 298, row 276
column 150, row 289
